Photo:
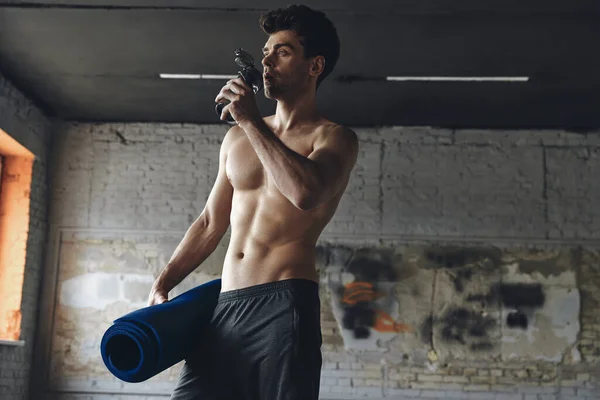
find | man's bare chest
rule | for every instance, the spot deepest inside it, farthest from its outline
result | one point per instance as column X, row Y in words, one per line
column 244, row 168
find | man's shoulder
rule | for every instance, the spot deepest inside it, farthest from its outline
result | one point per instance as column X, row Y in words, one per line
column 234, row 132
column 332, row 130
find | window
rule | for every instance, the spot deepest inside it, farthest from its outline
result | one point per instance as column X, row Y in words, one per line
column 16, row 168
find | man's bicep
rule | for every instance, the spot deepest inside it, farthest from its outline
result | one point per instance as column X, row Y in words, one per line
column 218, row 205
column 335, row 157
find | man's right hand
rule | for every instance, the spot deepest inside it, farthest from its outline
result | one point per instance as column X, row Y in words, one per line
column 157, row 296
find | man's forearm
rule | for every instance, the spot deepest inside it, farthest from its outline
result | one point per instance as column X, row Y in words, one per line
column 294, row 175
column 198, row 243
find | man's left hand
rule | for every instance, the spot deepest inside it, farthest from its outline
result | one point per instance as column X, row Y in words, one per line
column 242, row 106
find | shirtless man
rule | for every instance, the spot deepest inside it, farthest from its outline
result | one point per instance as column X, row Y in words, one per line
column 279, row 183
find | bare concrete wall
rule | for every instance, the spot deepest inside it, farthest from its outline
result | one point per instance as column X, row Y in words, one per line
column 33, row 130
column 460, row 263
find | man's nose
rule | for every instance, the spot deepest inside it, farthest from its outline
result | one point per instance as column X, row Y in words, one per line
column 266, row 62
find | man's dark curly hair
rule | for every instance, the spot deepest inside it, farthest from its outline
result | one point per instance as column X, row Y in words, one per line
column 315, row 31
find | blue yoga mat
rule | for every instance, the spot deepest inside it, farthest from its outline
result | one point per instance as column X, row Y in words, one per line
column 147, row 341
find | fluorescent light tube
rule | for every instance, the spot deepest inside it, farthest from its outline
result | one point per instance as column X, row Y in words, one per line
column 460, row 78
column 196, row 76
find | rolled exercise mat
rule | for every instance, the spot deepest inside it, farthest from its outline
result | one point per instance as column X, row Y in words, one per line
column 147, row 341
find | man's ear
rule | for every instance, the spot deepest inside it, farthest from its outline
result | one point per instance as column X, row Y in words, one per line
column 317, row 66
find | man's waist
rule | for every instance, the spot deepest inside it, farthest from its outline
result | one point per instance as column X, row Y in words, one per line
column 297, row 286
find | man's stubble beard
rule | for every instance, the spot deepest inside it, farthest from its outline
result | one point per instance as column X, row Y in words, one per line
column 279, row 90
column 274, row 91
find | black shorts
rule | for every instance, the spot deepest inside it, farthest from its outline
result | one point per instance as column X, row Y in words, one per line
column 263, row 343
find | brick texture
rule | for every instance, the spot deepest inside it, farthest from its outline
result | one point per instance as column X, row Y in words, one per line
column 408, row 182
column 31, row 128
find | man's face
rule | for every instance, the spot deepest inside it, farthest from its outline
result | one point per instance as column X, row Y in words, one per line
column 285, row 68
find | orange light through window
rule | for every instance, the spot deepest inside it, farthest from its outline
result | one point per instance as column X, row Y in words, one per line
column 15, row 189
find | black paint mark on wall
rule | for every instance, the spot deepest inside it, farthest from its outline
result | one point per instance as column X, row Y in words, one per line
column 467, row 327
column 456, row 257
column 369, row 270
column 517, row 319
column 523, row 298
column 359, row 319
column 519, row 295
column 513, row 295
column 460, row 262
column 427, row 330
column 374, row 266
column 460, row 278
column 448, row 258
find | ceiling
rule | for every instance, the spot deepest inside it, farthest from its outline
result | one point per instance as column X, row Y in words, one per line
column 100, row 60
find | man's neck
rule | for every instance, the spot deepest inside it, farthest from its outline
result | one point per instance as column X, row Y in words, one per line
column 294, row 112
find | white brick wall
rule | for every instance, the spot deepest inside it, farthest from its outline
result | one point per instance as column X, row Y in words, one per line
column 157, row 178
column 408, row 182
column 28, row 125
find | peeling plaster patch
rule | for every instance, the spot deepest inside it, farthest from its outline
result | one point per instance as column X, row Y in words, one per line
column 513, row 273
column 545, row 268
column 468, row 303
column 100, row 289
column 575, row 355
column 552, row 329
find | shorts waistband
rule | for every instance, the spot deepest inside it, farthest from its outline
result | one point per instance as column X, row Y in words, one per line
column 295, row 284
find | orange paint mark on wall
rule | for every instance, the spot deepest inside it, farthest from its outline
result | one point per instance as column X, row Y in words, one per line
column 361, row 292
column 358, row 292
column 15, row 186
column 385, row 323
